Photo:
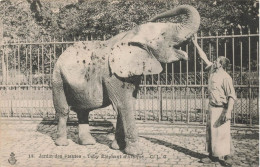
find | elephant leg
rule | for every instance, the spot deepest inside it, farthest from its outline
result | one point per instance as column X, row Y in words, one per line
column 122, row 96
column 130, row 129
column 85, row 137
column 119, row 142
column 62, row 132
column 62, row 110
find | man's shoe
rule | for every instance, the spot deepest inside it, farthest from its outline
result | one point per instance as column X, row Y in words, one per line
column 228, row 161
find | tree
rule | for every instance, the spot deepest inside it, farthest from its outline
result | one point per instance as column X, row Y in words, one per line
column 34, row 18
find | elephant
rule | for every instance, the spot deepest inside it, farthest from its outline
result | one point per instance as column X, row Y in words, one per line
column 94, row 74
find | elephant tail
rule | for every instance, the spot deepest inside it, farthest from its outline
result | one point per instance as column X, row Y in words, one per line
column 59, row 98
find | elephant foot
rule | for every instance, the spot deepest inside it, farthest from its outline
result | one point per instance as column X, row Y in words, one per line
column 85, row 137
column 87, row 140
column 62, row 141
column 133, row 149
column 118, row 143
column 114, row 145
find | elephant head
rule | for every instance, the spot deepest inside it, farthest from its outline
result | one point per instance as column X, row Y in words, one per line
column 140, row 50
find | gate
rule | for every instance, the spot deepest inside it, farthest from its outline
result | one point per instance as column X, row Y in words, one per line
column 177, row 95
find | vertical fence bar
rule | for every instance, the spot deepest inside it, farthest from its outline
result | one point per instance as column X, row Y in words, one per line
column 217, row 44
column 7, row 67
column 250, row 77
column 195, row 65
column 13, row 74
column 139, row 104
column 43, row 77
column 28, row 79
column 172, row 107
column 54, row 50
column 7, row 76
column 257, row 57
column 26, row 63
column 50, row 66
column 166, row 91
column 233, row 67
column 166, row 74
column 19, row 75
column 31, row 82
column 54, row 62
column 241, row 59
column 62, row 49
column 202, row 84
column 195, row 80
column 153, row 100
column 172, row 88
column 145, row 99
column 3, row 110
column 38, row 72
column 14, row 71
column 257, row 68
column 241, row 74
column 153, row 88
column 210, row 51
column 180, row 82
column 225, row 44
column 186, row 90
column 38, row 64
column 233, row 53
column 160, row 97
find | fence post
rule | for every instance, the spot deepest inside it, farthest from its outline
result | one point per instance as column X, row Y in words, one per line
column 249, row 107
column 160, row 102
column 145, row 100
column 186, row 89
column 250, row 76
column 202, row 84
column 187, row 103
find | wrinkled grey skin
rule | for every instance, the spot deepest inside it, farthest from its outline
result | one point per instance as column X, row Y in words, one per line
column 90, row 75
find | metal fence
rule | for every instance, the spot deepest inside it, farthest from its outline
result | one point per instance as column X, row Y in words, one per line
column 177, row 95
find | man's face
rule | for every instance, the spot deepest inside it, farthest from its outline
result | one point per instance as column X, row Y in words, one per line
column 216, row 63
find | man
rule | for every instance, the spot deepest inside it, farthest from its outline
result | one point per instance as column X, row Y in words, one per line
column 221, row 101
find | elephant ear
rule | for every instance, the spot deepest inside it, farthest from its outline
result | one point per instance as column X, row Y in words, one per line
column 127, row 60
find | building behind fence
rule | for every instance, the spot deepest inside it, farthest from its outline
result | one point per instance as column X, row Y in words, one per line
column 177, row 95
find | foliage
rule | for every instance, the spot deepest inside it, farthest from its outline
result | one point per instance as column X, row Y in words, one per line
column 18, row 21
column 34, row 18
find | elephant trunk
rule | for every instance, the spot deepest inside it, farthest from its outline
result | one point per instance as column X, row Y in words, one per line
column 189, row 26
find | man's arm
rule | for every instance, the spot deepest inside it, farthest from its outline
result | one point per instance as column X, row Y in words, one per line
column 231, row 95
column 202, row 54
column 230, row 106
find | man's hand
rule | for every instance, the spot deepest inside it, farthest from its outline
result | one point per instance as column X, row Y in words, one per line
column 227, row 116
column 195, row 39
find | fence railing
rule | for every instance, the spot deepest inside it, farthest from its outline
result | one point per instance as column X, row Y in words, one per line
column 178, row 94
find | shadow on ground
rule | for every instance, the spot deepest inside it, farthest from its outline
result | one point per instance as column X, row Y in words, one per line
column 102, row 131
column 176, row 147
